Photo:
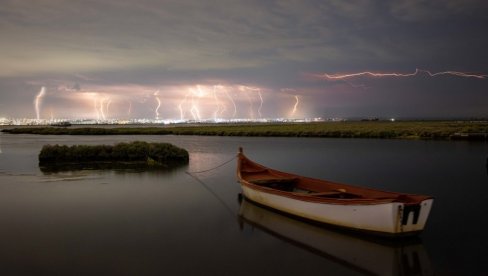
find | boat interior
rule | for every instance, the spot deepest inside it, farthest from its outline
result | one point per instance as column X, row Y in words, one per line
column 257, row 174
column 266, row 178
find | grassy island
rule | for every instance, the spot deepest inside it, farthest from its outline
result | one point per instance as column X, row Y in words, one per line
column 122, row 154
column 466, row 130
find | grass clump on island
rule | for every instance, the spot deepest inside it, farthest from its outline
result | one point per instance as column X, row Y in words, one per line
column 134, row 153
column 349, row 129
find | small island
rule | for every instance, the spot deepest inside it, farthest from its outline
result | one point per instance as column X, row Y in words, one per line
column 122, row 155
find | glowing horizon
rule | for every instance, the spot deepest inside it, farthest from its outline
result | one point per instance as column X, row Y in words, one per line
column 183, row 102
column 199, row 102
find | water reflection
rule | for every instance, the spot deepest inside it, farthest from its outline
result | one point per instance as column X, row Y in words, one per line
column 118, row 167
column 369, row 257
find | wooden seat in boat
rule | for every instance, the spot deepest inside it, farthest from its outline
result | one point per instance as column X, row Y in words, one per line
column 337, row 193
column 279, row 183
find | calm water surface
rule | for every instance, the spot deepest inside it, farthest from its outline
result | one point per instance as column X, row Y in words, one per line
column 153, row 223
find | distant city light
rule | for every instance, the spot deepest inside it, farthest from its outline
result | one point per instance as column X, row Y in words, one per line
column 152, row 121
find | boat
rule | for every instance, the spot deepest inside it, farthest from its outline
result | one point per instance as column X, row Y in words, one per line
column 346, row 206
column 363, row 254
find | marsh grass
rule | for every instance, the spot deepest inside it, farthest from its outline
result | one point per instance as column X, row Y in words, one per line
column 353, row 129
column 135, row 154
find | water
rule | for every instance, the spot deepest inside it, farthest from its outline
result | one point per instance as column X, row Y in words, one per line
column 152, row 223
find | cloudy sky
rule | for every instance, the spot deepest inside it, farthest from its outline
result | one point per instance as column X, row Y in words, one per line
column 173, row 59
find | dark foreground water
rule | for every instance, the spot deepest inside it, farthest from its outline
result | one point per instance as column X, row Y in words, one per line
column 167, row 223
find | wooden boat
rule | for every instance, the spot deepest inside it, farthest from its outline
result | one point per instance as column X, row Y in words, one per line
column 352, row 207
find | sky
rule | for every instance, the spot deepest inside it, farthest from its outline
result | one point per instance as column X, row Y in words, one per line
column 195, row 59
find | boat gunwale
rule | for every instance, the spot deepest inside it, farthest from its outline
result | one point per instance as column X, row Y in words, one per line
column 317, row 199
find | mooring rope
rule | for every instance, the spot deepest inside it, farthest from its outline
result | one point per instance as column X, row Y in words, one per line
column 211, row 169
column 214, row 194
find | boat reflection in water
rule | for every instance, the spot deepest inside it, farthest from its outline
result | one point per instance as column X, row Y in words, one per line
column 362, row 254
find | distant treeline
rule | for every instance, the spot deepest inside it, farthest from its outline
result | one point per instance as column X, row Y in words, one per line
column 376, row 129
column 134, row 152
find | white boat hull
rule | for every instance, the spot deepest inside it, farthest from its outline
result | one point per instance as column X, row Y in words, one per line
column 389, row 218
column 363, row 255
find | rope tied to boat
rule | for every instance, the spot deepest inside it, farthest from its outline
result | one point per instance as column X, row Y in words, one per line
column 214, row 194
column 214, row 168
column 209, row 189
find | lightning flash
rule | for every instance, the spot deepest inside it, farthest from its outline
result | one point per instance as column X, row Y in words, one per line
column 261, row 103
column 380, row 75
column 219, row 106
column 199, row 102
column 156, row 94
column 38, row 101
column 130, row 108
column 180, row 107
column 251, row 100
column 232, row 101
column 294, row 110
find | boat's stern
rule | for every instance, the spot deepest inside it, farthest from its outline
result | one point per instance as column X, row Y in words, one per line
column 412, row 217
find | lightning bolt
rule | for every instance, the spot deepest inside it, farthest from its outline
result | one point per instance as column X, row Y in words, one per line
column 38, row 101
column 232, row 101
column 454, row 73
column 218, row 110
column 102, row 113
column 159, row 104
column 417, row 71
column 295, row 106
column 194, row 108
column 251, row 102
column 223, row 107
column 109, row 102
column 251, row 107
column 180, row 107
column 261, row 104
column 297, row 100
column 95, row 102
column 130, row 109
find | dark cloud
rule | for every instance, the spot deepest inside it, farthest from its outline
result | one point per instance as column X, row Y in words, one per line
column 76, row 87
column 80, row 45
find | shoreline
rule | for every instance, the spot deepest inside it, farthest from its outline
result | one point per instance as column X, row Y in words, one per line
column 413, row 130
